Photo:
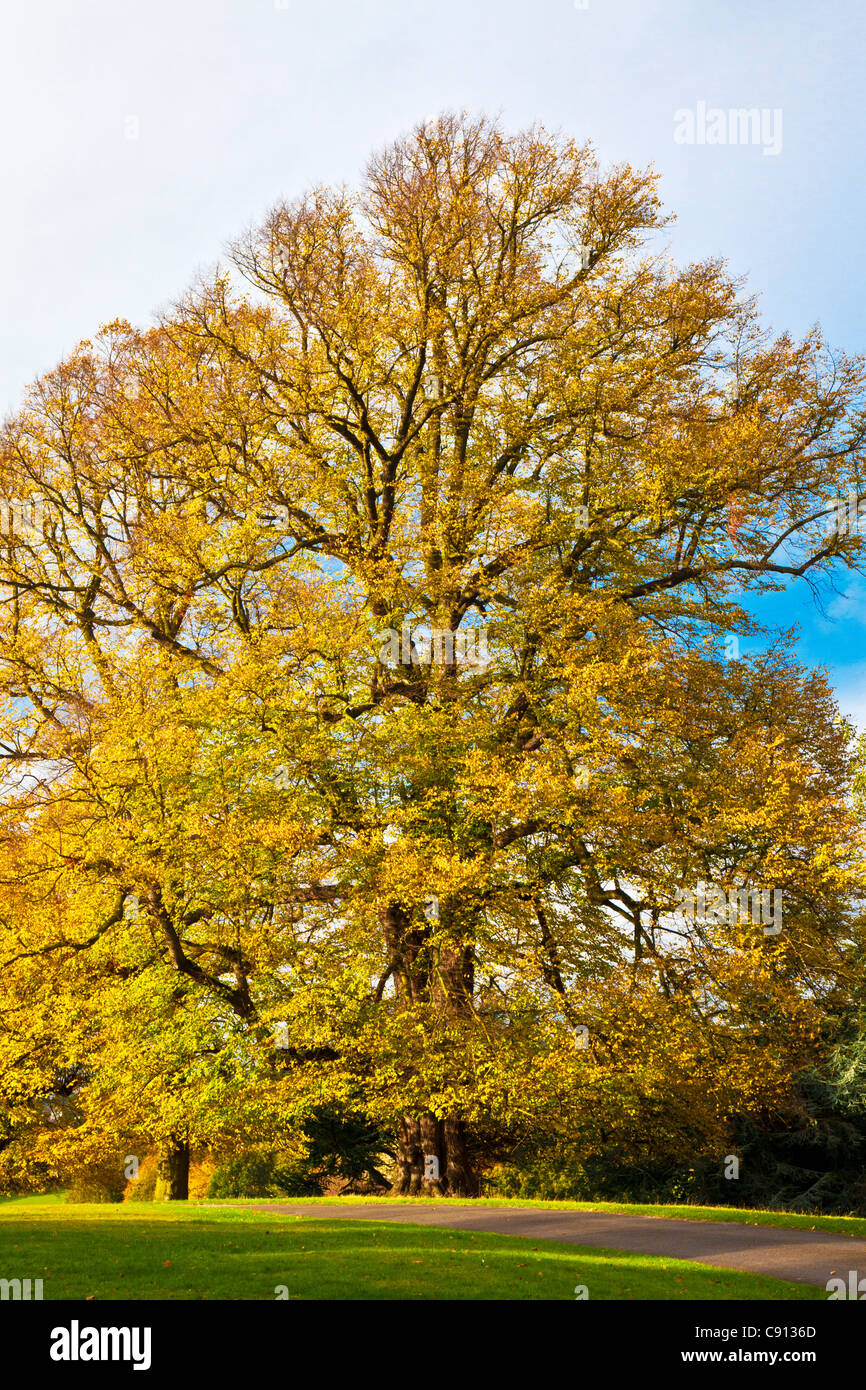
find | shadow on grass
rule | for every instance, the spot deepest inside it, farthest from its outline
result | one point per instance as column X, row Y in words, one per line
column 112, row 1253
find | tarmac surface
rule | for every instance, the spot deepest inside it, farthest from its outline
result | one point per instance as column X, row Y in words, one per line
column 806, row 1257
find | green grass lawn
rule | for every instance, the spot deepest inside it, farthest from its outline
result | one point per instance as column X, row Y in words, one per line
column 162, row 1251
column 839, row 1225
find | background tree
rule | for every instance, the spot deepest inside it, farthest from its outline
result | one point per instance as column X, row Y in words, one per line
column 465, row 399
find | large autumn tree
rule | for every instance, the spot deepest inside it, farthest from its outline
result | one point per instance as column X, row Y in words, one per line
column 473, row 398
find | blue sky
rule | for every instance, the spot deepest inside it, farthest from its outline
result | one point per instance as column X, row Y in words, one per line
column 137, row 139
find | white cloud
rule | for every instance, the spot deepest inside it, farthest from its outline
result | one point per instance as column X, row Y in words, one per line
column 850, row 683
column 848, row 608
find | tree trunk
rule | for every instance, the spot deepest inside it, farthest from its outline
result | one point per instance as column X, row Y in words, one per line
column 432, row 1158
column 460, row 1176
column 432, row 1154
column 172, row 1171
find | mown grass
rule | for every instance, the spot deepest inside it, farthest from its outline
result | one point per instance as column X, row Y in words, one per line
column 162, row 1251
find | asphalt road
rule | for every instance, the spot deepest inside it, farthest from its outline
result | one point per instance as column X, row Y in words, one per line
column 806, row 1257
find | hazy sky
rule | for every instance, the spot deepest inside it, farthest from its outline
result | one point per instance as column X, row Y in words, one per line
column 137, row 139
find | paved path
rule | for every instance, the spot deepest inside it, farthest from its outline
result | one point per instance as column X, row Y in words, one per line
column 806, row 1257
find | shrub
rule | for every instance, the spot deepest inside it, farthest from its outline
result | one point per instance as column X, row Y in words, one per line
column 558, row 1175
column 103, row 1182
column 201, row 1171
column 142, row 1188
column 262, row 1174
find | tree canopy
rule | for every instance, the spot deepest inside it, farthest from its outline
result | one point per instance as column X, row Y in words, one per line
column 368, row 688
